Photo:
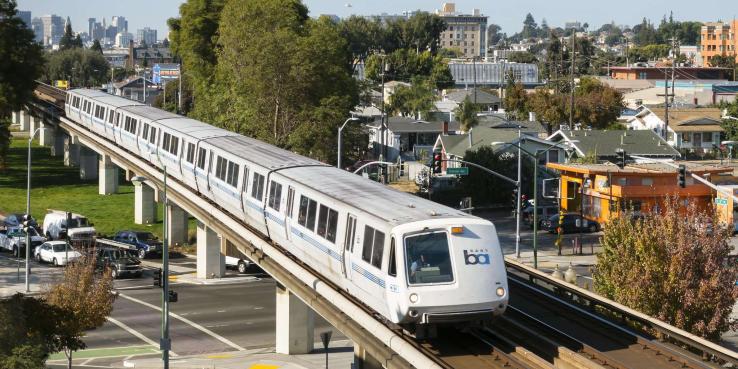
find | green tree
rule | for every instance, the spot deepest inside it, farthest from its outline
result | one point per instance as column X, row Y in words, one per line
column 96, row 46
column 596, row 104
column 549, row 108
column 404, row 65
column 516, row 99
column 364, row 36
column 172, row 91
column 22, row 62
column 522, row 57
column 84, row 67
column 530, row 27
column 725, row 61
column 30, row 330
column 413, row 101
column 486, row 189
column 68, row 40
column 670, row 265
column 466, row 114
column 493, row 34
column 87, row 295
column 279, row 72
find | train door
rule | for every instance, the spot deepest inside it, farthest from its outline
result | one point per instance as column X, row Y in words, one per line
column 288, row 211
column 348, row 245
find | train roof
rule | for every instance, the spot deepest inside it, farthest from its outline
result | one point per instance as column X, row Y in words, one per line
column 264, row 154
column 391, row 205
column 150, row 113
column 89, row 93
column 117, row 101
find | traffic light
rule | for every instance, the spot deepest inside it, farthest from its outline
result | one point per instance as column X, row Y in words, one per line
column 682, row 176
column 621, row 158
column 157, row 277
column 437, row 160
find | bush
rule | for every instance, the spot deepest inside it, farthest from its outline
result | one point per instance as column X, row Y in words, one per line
column 673, row 266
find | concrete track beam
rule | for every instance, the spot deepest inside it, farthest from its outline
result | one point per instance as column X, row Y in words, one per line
column 363, row 360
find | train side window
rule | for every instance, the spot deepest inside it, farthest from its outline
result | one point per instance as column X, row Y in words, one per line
column 366, row 251
column 145, row 133
column 275, row 195
column 257, row 187
column 392, row 268
column 232, row 178
column 201, row 160
column 306, row 217
column 322, row 220
column 165, row 141
column 110, row 116
column 152, row 136
column 117, row 119
column 190, row 152
column 290, row 201
column 327, row 223
column 220, row 168
column 378, row 249
column 350, row 233
column 174, row 146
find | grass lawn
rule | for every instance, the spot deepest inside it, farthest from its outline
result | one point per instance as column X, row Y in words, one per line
column 54, row 186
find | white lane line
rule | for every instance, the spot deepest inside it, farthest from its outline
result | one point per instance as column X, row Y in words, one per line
column 87, row 361
column 187, row 321
column 136, row 333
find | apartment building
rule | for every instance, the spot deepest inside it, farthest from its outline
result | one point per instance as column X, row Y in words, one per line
column 718, row 38
column 466, row 33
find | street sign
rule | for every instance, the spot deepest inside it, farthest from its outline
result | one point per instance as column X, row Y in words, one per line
column 460, row 171
column 721, row 202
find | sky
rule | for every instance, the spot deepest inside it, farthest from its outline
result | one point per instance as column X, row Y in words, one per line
column 508, row 14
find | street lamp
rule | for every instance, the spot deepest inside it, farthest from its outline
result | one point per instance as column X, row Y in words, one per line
column 535, row 196
column 165, row 344
column 28, row 210
column 340, row 130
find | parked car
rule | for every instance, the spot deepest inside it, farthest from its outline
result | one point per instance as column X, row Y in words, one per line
column 572, row 223
column 14, row 239
column 545, row 211
column 56, row 252
column 120, row 262
column 240, row 263
column 145, row 242
column 80, row 231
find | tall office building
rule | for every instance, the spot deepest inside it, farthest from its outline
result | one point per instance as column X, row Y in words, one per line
column 25, row 16
column 466, row 33
column 91, row 27
column 37, row 26
column 53, row 29
column 120, row 23
column 146, row 35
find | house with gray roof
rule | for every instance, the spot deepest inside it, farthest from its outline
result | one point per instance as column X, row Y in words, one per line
column 408, row 137
column 605, row 144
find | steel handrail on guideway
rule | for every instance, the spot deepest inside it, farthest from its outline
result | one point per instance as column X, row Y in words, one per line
column 680, row 336
column 391, row 348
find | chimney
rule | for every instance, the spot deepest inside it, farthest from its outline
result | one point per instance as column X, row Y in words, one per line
column 445, row 128
column 531, row 116
column 471, row 141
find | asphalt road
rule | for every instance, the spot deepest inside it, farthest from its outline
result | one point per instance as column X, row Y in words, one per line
column 207, row 319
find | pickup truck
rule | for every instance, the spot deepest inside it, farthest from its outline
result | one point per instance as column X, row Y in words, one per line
column 14, row 239
column 144, row 242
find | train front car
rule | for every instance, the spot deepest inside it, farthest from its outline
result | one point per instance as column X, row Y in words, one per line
column 450, row 272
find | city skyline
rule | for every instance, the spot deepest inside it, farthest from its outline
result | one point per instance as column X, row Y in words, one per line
column 508, row 15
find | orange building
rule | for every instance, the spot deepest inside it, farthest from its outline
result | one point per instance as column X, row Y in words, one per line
column 718, row 38
column 603, row 191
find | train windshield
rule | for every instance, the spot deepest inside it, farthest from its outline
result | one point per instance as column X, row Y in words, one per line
column 428, row 258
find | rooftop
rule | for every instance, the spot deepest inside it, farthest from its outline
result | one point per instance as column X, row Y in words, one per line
column 690, row 120
column 644, row 168
column 606, row 143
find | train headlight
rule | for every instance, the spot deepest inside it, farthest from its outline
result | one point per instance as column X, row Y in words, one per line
column 500, row 291
column 413, row 297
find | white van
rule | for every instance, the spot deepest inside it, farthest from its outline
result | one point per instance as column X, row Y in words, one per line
column 80, row 230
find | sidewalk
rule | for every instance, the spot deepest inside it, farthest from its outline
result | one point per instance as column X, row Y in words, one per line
column 340, row 355
column 187, row 274
column 13, row 282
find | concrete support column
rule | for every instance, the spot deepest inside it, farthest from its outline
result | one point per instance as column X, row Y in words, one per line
column 87, row 164
column 177, row 224
column 108, row 176
column 46, row 134
column 363, row 360
column 15, row 117
column 210, row 261
column 295, row 324
column 71, row 152
column 25, row 121
column 34, row 123
column 145, row 205
column 57, row 143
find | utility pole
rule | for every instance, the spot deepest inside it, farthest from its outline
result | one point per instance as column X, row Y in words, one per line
column 179, row 93
column 382, row 142
column 674, row 55
column 474, row 70
column 573, row 65
column 627, row 53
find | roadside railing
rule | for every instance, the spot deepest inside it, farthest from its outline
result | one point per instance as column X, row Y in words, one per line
column 667, row 332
